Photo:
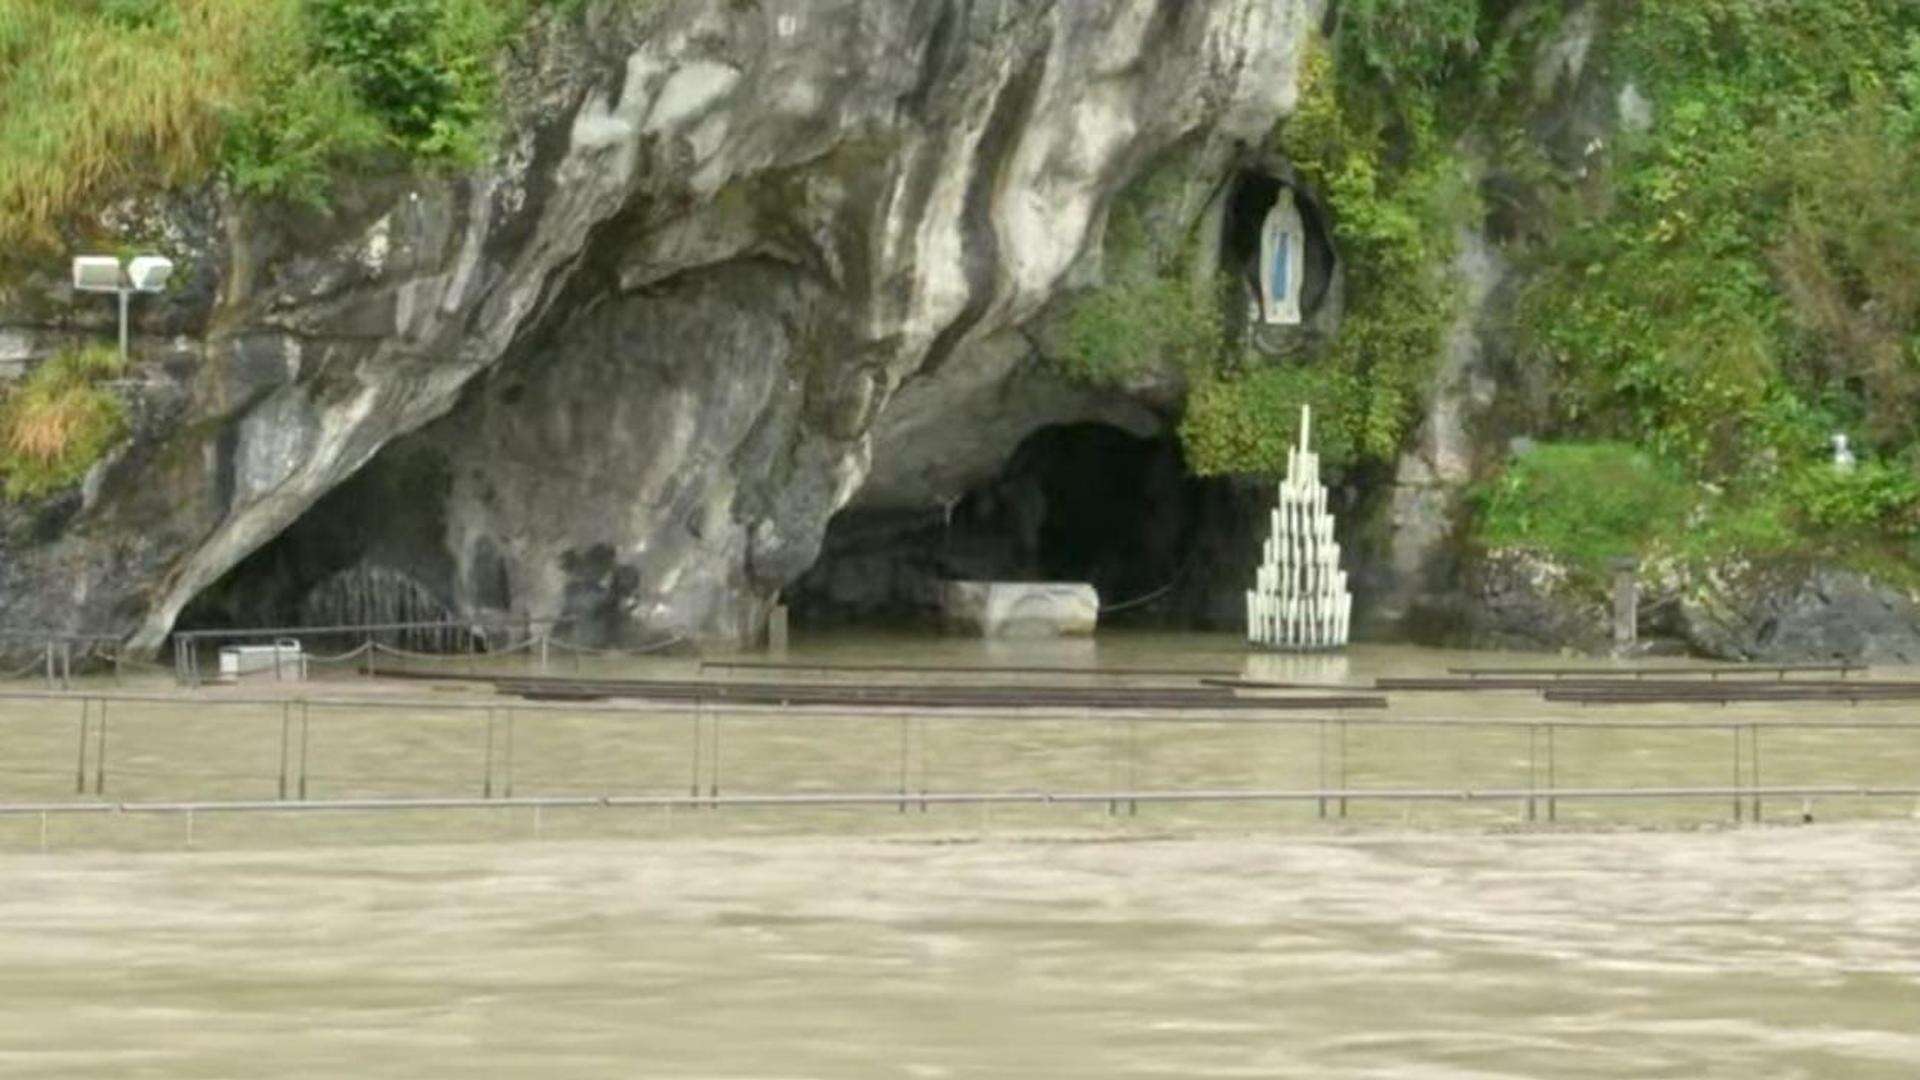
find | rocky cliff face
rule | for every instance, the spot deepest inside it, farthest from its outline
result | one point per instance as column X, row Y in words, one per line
column 727, row 258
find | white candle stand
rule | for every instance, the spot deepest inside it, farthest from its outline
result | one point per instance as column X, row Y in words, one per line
column 1299, row 601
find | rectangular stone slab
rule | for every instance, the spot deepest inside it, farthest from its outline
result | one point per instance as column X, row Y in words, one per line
column 1020, row 609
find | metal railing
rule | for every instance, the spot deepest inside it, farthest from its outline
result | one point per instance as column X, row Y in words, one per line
column 1112, row 799
column 53, row 653
column 1332, row 792
column 1712, row 671
column 363, row 645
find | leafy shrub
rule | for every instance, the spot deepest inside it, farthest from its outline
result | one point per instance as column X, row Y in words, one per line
column 1418, row 43
column 58, row 422
column 1247, row 423
column 1752, row 256
column 285, row 140
column 423, row 67
column 1155, row 308
column 1743, row 278
column 1873, row 494
column 1582, row 502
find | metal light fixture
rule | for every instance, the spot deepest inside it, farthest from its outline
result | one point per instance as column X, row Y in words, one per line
column 104, row 274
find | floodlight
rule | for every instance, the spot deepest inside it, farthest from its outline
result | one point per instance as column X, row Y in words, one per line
column 149, row 273
column 102, row 274
column 97, row 273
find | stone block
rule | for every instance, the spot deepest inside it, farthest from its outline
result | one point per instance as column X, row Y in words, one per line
column 1020, row 609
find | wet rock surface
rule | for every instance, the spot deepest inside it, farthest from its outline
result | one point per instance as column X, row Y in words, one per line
column 1798, row 613
column 1524, row 601
column 718, row 244
column 1771, row 612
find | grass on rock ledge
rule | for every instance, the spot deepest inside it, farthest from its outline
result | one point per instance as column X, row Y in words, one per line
column 58, row 422
column 103, row 98
column 1585, row 503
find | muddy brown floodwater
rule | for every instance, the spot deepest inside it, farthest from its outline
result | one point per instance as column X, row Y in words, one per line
column 1770, row 952
column 1415, row 941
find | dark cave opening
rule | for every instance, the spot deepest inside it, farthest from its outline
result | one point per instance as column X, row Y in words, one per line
column 1075, row 502
column 369, row 552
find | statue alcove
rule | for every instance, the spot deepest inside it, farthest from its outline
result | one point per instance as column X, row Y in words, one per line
column 1276, row 244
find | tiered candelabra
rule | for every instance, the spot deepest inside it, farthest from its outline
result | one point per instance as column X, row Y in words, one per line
column 1299, row 600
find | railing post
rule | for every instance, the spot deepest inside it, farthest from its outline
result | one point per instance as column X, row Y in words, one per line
column 80, row 768
column 1113, row 759
column 286, row 730
column 1133, row 766
column 713, row 775
column 1736, row 775
column 486, row 783
column 304, row 718
column 1753, row 745
column 693, row 791
column 1553, row 777
column 1343, row 769
column 1533, row 769
column 1322, row 785
column 100, row 754
column 509, row 789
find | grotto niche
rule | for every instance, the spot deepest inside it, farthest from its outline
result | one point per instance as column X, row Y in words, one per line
column 1275, row 241
column 1081, row 502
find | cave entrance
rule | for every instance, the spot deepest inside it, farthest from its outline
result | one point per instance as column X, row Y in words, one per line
column 1083, row 502
column 368, row 553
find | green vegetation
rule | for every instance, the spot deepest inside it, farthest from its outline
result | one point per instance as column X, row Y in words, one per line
column 1722, row 291
column 1374, row 134
column 103, row 97
column 1368, row 144
column 1156, row 306
column 1743, row 279
column 1583, row 502
column 58, row 422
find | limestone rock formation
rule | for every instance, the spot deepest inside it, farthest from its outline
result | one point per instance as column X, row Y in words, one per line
column 1798, row 613
column 647, row 349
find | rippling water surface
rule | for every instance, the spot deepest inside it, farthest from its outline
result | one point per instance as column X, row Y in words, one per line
column 1770, row 952
column 1421, row 941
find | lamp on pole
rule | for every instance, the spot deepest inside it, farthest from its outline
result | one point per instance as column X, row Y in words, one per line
column 104, row 274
